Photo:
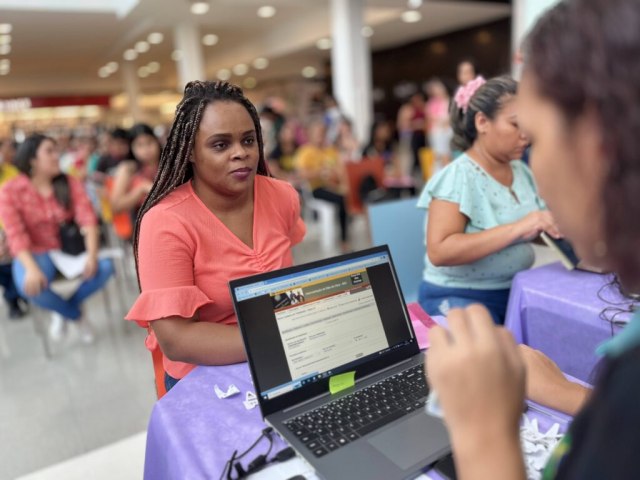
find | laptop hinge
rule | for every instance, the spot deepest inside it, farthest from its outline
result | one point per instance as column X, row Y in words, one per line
column 313, row 399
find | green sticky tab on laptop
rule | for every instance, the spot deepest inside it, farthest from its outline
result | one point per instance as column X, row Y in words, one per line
column 337, row 383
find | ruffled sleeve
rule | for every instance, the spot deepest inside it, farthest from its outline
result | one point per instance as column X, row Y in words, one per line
column 167, row 302
column 165, row 266
column 464, row 183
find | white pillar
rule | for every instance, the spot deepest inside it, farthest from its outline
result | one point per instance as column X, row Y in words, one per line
column 186, row 38
column 524, row 16
column 132, row 89
column 351, row 65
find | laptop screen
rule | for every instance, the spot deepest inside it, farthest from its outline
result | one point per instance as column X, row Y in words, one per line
column 304, row 324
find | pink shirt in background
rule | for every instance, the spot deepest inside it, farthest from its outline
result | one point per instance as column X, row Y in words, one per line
column 187, row 256
column 32, row 222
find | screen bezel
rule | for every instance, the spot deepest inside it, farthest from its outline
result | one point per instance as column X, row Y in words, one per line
column 313, row 389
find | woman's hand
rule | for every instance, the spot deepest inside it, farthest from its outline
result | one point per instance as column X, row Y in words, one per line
column 34, row 281
column 479, row 376
column 530, row 226
column 547, row 385
column 90, row 268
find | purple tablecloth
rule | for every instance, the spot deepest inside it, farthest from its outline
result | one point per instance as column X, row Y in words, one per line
column 192, row 432
column 558, row 311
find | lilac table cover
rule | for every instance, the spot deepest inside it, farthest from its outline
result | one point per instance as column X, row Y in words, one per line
column 192, row 432
column 558, row 311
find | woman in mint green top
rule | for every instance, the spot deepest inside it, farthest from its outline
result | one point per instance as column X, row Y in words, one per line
column 482, row 209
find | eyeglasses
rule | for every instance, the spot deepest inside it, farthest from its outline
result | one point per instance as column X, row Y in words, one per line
column 233, row 465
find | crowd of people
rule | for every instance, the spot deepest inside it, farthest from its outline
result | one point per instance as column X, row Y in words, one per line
column 219, row 199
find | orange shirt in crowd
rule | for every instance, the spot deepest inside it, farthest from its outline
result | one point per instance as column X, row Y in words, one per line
column 187, row 256
column 32, row 222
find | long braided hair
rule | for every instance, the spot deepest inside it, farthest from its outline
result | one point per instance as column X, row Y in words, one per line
column 175, row 167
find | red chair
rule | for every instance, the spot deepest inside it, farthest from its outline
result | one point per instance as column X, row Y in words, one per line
column 357, row 172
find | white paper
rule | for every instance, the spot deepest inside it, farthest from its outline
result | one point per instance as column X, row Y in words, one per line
column 72, row 266
column 231, row 390
column 537, row 446
column 250, row 400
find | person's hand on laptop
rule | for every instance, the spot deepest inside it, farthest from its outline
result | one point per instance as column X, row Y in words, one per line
column 479, row 376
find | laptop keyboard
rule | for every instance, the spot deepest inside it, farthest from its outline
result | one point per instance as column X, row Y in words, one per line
column 348, row 418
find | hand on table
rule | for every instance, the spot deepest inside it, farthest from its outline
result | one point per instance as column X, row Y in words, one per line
column 547, row 385
column 478, row 373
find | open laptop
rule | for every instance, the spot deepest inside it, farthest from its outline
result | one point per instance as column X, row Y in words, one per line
column 305, row 324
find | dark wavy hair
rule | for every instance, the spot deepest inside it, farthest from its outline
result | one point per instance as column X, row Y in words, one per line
column 175, row 167
column 488, row 100
column 584, row 56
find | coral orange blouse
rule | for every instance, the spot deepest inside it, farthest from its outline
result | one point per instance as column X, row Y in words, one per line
column 187, row 256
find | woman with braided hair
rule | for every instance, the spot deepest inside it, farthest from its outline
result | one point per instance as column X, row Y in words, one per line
column 213, row 214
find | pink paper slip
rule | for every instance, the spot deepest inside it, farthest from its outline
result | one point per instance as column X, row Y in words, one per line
column 422, row 322
column 417, row 313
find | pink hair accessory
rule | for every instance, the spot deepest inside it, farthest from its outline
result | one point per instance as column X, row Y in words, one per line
column 465, row 92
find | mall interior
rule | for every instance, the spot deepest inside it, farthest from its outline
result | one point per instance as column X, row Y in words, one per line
column 370, row 80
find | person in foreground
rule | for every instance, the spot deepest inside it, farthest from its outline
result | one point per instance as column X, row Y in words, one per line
column 213, row 214
column 578, row 102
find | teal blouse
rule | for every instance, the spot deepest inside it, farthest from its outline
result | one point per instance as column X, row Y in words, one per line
column 487, row 204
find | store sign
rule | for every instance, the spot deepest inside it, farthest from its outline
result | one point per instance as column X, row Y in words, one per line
column 26, row 103
column 15, row 104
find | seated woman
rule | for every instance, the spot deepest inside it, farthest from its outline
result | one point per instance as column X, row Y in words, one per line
column 32, row 207
column 484, row 208
column 133, row 178
column 213, row 214
column 579, row 101
column 282, row 157
column 382, row 145
column 320, row 166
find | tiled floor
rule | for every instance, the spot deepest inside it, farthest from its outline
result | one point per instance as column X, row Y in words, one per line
column 84, row 412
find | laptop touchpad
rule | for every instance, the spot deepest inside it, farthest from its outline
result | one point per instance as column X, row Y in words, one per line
column 418, row 438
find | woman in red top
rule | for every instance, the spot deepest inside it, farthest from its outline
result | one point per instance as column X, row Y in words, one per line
column 32, row 207
column 213, row 214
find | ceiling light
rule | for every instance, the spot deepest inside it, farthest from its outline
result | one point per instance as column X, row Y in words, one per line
column 153, row 67
column 249, row 82
column 130, row 54
column 367, row 31
column 266, row 12
column 224, row 74
column 5, row 49
column 103, row 72
column 414, row 3
column 240, row 69
column 411, row 16
column 155, row 38
column 142, row 47
column 210, row 39
column 176, row 55
column 111, row 67
column 324, row 43
column 5, row 39
column 5, row 69
column 260, row 63
column 309, row 72
column 143, row 72
column 199, row 8
column 5, row 28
